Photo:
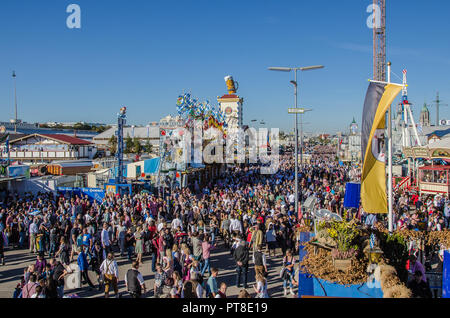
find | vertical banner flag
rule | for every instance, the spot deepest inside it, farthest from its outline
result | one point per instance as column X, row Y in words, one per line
column 379, row 98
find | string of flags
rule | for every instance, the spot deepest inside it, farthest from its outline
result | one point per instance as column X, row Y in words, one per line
column 196, row 110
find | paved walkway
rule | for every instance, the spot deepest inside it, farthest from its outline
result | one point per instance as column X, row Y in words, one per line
column 18, row 260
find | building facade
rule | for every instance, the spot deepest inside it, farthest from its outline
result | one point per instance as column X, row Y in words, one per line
column 35, row 148
column 425, row 116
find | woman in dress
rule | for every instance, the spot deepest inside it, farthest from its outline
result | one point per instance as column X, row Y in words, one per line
column 186, row 258
column 139, row 247
column 288, row 276
column 177, row 285
column 261, row 287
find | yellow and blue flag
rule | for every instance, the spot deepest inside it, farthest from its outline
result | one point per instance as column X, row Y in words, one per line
column 379, row 98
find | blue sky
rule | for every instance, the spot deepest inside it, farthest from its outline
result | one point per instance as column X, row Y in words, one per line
column 144, row 53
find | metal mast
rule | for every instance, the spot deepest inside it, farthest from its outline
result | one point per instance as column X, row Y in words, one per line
column 121, row 121
column 15, row 101
column 404, row 106
column 438, row 103
column 379, row 74
column 379, row 41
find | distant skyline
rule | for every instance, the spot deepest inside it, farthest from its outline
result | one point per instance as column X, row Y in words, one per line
column 143, row 54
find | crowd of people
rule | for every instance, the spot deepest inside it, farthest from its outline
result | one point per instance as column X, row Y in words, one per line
column 250, row 215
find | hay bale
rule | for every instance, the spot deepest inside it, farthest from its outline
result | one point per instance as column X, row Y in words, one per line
column 388, row 277
column 397, row 291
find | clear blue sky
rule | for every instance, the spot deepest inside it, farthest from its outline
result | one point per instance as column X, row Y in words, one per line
column 144, row 53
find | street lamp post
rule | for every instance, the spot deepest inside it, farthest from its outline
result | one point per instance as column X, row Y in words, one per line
column 295, row 69
column 15, row 101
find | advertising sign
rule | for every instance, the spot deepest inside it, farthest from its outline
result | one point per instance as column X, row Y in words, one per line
column 96, row 194
column 111, row 189
column 18, row 171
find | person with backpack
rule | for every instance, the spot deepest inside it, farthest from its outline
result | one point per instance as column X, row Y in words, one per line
column 110, row 272
column 134, row 281
column 241, row 256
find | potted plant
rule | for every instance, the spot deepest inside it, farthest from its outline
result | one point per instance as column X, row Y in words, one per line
column 344, row 235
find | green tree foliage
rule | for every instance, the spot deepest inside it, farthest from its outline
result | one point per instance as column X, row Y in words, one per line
column 148, row 146
column 128, row 145
column 137, row 147
column 112, row 144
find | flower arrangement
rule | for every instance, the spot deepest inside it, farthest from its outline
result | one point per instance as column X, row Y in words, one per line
column 337, row 254
column 344, row 235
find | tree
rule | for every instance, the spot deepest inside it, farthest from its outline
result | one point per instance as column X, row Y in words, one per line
column 112, row 144
column 148, row 146
column 128, row 145
column 101, row 129
column 137, row 146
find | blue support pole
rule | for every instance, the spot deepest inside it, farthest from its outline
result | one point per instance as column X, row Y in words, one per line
column 446, row 275
column 305, row 281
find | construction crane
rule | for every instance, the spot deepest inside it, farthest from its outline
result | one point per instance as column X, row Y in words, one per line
column 379, row 41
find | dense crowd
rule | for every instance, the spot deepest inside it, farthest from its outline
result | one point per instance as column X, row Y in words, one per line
column 252, row 215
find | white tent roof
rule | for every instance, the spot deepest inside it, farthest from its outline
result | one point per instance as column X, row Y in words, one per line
column 442, row 144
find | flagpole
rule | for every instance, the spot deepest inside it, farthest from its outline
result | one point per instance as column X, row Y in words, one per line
column 390, row 214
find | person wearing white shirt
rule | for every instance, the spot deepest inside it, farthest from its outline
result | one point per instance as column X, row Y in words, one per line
column 87, row 218
column 33, row 232
column 177, row 223
column 160, row 226
column 291, row 198
column 110, row 273
column 235, row 225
